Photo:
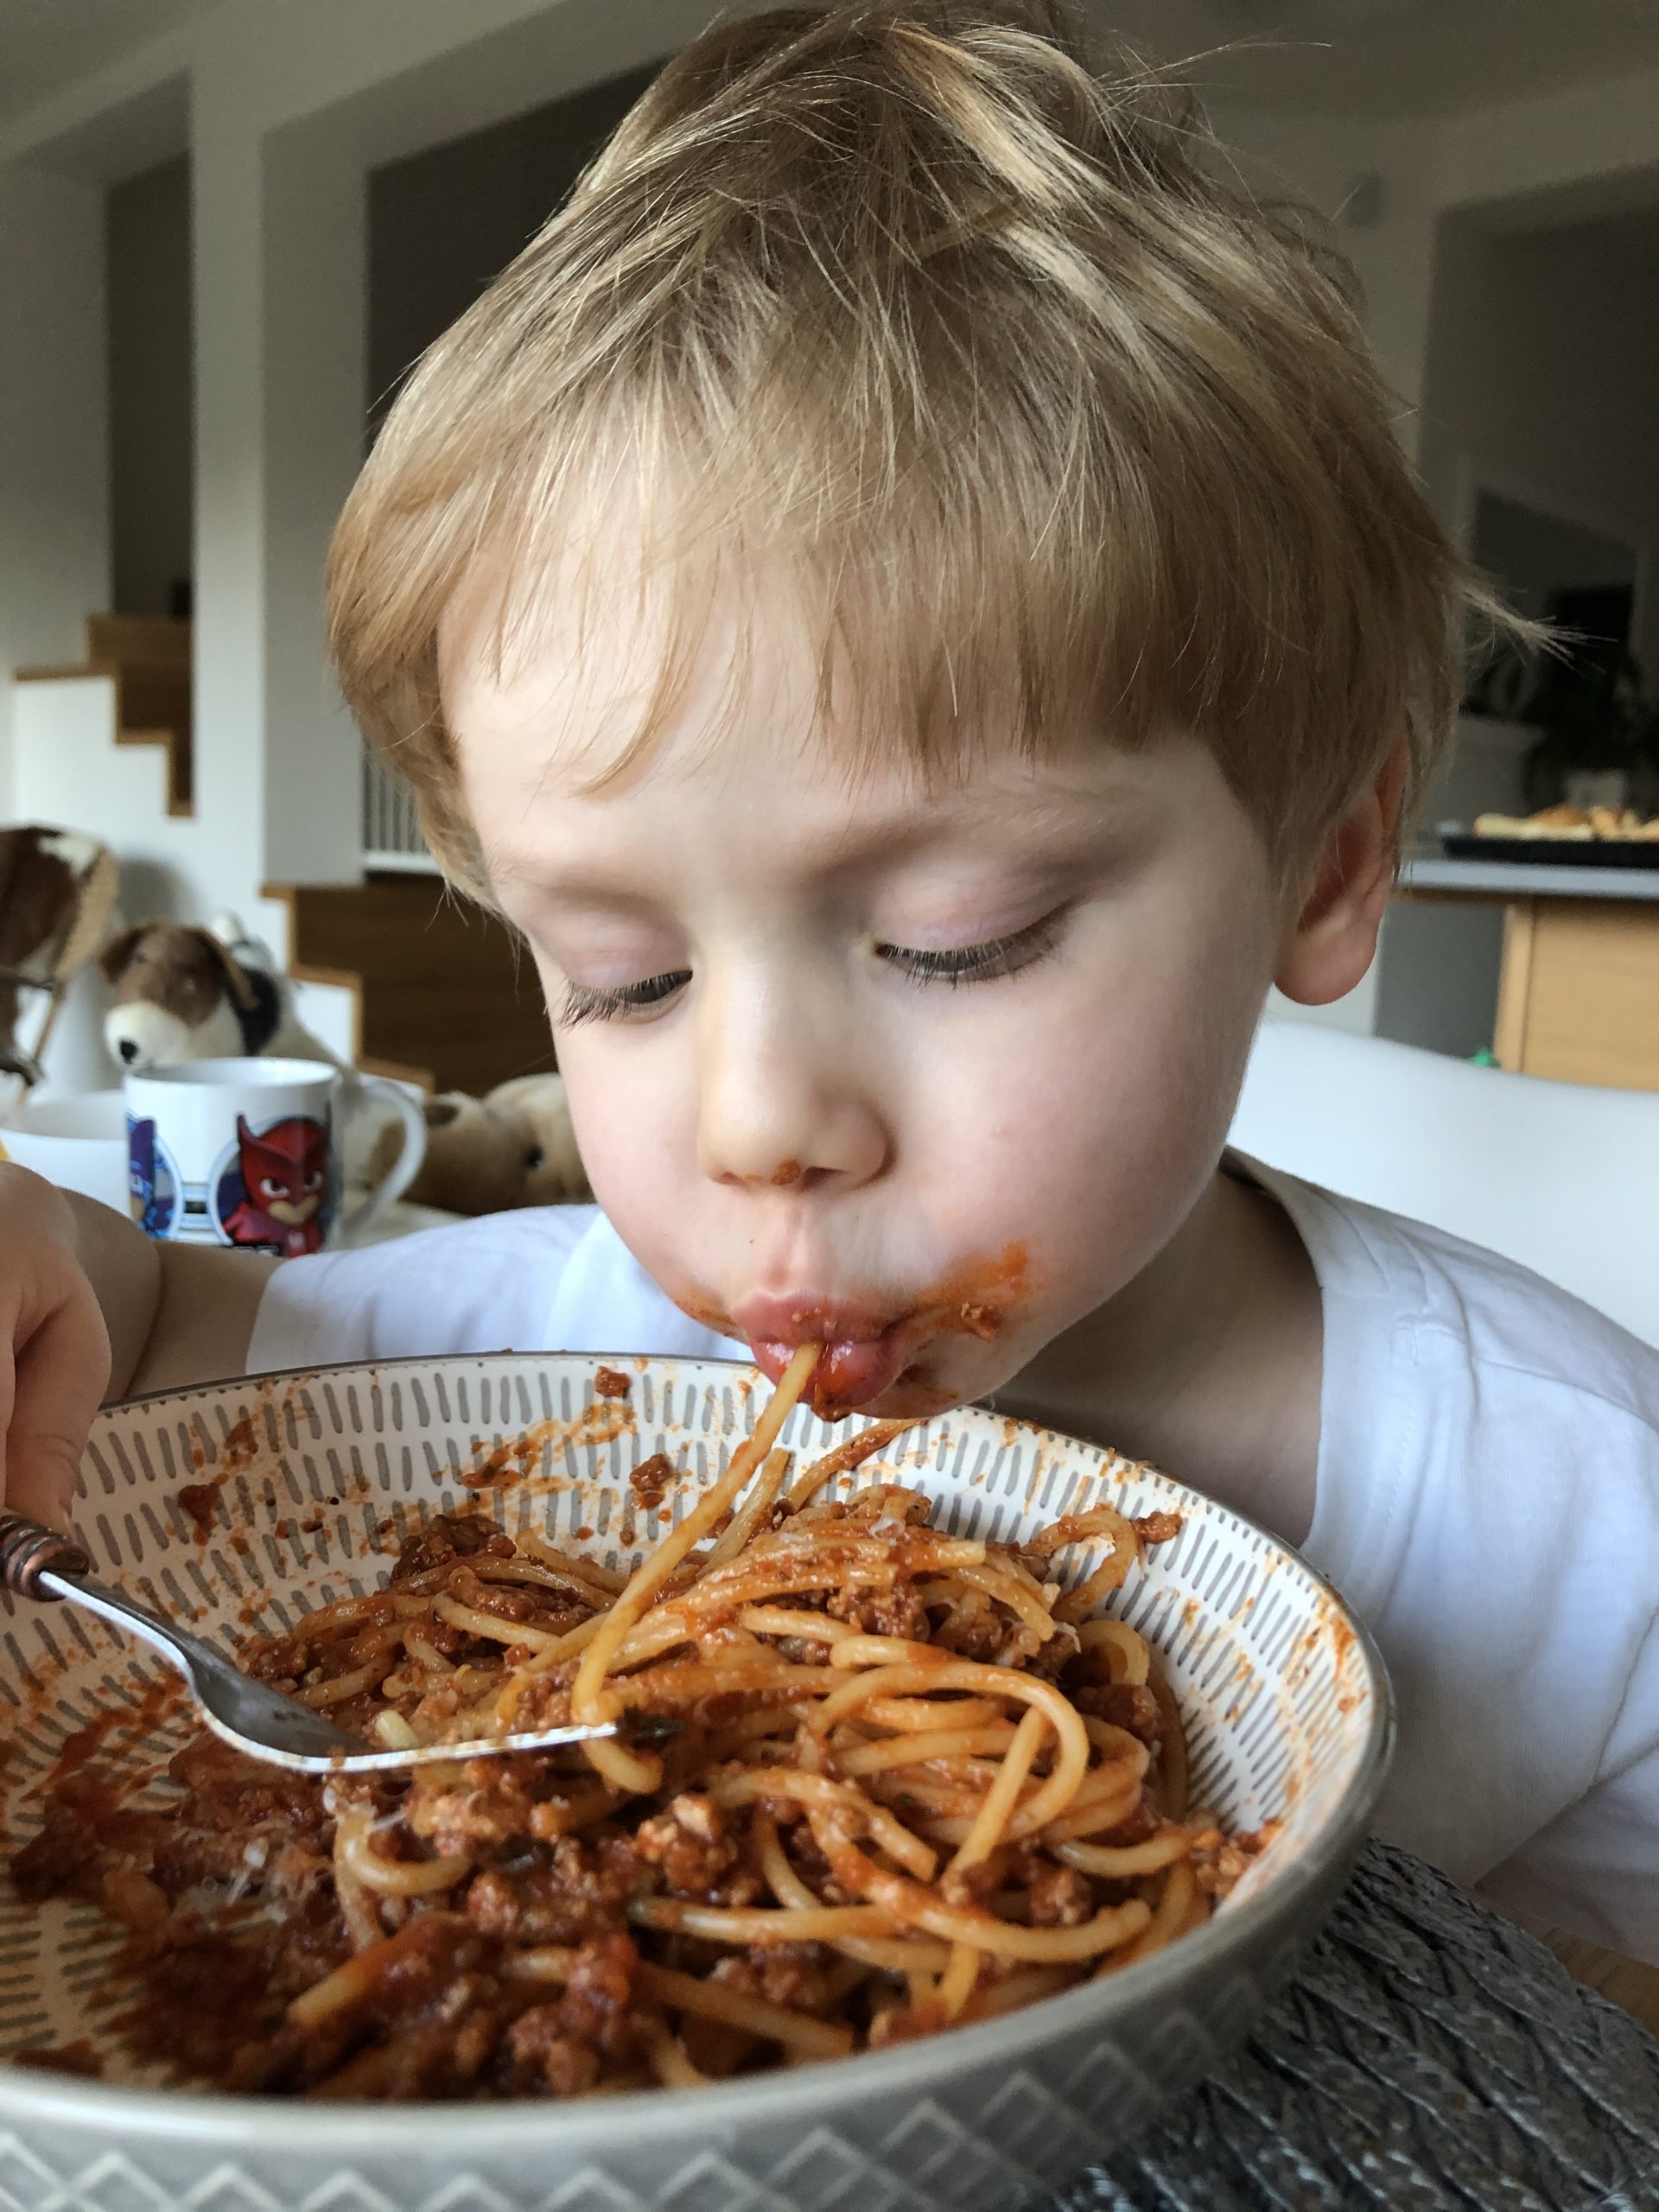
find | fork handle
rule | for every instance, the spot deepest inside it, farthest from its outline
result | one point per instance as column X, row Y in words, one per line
column 29, row 1549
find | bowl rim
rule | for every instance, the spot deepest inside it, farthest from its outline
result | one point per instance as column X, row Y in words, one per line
column 208, row 2116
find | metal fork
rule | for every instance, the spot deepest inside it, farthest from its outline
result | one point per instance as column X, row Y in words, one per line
column 38, row 1562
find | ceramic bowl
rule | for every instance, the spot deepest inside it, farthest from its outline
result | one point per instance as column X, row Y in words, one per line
column 314, row 1478
column 77, row 1142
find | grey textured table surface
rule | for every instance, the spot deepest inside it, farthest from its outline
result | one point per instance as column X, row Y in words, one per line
column 1427, row 2055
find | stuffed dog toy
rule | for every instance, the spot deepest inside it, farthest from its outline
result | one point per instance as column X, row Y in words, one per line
column 513, row 1148
column 180, row 993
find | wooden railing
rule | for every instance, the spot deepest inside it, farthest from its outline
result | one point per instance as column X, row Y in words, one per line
column 446, row 996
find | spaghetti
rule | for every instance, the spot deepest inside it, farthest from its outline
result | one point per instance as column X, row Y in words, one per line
column 913, row 1787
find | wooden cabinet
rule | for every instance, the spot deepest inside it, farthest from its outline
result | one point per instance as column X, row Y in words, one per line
column 1578, row 995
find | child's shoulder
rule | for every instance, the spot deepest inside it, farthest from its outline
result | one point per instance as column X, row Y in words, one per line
column 1467, row 1317
column 1488, row 1499
column 483, row 1285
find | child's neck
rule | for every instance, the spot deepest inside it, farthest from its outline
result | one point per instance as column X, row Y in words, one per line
column 1208, row 1364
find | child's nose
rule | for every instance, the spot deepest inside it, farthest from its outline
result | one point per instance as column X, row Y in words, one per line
column 780, row 1108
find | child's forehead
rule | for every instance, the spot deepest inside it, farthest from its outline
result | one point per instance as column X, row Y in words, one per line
column 747, row 766
column 599, row 694
column 610, row 667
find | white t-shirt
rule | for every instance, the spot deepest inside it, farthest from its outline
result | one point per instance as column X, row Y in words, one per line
column 1488, row 1500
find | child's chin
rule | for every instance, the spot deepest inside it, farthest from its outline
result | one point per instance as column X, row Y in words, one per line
column 915, row 1397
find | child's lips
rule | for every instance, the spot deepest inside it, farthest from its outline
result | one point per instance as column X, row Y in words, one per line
column 852, row 1372
column 870, row 1346
column 864, row 1354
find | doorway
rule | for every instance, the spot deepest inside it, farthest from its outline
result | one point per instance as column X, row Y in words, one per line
column 151, row 384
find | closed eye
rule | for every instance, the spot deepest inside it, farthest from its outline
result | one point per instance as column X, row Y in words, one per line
column 977, row 964
column 581, row 1002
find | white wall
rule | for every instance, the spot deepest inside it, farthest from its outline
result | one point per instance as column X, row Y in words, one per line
column 1597, row 139
column 54, row 466
column 1334, row 162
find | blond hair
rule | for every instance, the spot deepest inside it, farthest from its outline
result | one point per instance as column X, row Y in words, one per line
column 976, row 339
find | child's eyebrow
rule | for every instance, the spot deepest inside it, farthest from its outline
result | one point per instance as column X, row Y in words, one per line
column 1054, row 830
column 1052, row 823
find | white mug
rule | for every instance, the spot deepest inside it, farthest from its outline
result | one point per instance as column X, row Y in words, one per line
column 245, row 1152
column 78, row 1142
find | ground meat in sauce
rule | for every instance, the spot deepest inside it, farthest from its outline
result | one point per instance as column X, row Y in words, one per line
column 491, row 1805
column 1053, row 1656
column 445, row 1537
column 696, row 1857
column 612, row 1383
column 200, row 1502
column 582, row 1892
column 976, row 1634
column 895, row 1610
column 1135, row 1827
column 792, row 1975
column 1059, row 1896
column 649, row 1481
column 1128, row 1706
column 597, row 1992
column 541, row 2047
column 64, row 1859
column 971, row 1885
column 1219, row 1861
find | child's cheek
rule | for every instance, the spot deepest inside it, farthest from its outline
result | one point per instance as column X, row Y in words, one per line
column 1090, row 1135
column 619, row 1129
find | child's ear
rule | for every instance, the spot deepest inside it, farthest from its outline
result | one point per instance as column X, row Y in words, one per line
column 1331, row 941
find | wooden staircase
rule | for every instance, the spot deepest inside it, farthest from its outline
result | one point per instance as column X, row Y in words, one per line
column 148, row 660
column 441, row 993
column 446, row 996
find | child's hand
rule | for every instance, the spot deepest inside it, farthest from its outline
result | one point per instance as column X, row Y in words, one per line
column 54, row 1349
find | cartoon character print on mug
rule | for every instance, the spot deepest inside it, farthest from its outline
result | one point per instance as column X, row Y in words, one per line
column 276, row 1189
column 152, row 1179
column 245, row 1153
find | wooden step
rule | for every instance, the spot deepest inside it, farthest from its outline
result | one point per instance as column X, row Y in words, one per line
column 447, row 998
column 138, row 638
column 148, row 659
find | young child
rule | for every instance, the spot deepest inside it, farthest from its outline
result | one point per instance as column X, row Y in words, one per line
column 906, row 595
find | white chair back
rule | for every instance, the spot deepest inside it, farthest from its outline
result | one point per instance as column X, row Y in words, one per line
column 1563, row 1177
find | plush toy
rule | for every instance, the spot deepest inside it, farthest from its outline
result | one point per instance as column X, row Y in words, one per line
column 57, row 893
column 514, row 1148
column 199, row 994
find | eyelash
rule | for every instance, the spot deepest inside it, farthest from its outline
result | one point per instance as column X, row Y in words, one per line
column 972, row 963
column 977, row 964
column 581, row 1004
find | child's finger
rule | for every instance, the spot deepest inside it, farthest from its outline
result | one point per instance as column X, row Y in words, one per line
column 60, row 1375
